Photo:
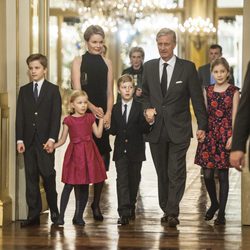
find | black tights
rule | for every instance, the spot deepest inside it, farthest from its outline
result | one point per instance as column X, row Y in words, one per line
column 81, row 197
column 211, row 188
column 98, row 186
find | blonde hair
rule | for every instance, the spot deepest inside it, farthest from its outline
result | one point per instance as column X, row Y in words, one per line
column 93, row 30
column 73, row 96
column 125, row 78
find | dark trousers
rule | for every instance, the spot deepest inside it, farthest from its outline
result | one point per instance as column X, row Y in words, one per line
column 170, row 164
column 39, row 163
column 127, row 184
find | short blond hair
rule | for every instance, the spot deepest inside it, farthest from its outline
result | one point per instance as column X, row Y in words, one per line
column 74, row 94
column 125, row 78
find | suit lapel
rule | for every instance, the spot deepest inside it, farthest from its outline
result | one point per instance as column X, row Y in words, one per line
column 131, row 113
column 178, row 68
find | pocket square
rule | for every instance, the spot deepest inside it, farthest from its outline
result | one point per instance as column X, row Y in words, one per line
column 178, row 82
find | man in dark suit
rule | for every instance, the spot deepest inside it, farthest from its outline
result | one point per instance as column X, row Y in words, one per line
column 241, row 131
column 37, row 126
column 128, row 125
column 204, row 72
column 168, row 85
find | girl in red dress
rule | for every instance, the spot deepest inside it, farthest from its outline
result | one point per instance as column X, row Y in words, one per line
column 83, row 163
column 221, row 102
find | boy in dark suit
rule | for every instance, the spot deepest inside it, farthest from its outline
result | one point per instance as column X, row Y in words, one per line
column 37, row 126
column 128, row 125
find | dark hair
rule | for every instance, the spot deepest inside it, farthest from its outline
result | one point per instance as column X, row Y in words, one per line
column 216, row 46
column 164, row 32
column 137, row 49
column 38, row 57
column 93, row 30
column 221, row 61
column 125, row 78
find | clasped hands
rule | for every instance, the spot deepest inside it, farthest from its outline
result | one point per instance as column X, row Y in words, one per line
column 149, row 115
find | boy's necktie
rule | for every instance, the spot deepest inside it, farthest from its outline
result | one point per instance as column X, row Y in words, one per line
column 36, row 92
column 164, row 80
column 124, row 115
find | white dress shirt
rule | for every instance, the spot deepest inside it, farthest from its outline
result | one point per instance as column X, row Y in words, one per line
column 170, row 68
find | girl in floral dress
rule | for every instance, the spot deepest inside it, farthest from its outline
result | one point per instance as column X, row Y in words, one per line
column 221, row 102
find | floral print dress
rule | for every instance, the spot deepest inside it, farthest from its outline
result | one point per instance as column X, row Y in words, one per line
column 212, row 153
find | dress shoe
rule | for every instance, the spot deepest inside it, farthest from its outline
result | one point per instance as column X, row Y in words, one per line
column 59, row 222
column 173, row 221
column 164, row 219
column 97, row 215
column 78, row 222
column 211, row 212
column 220, row 220
column 30, row 222
column 123, row 220
column 54, row 216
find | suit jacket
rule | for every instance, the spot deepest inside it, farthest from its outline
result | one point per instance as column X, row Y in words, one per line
column 242, row 122
column 204, row 75
column 174, row 108
column 42, row 117
column 129, row 138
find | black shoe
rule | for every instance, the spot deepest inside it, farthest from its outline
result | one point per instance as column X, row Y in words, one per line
column 123, row 220
column 78, row 222
column 220, row 220
column 54, row 216
column 30, row 222
column 97, row 215
column 173, row 221
column 164, row 219
column 211, row 212
column 59, row 222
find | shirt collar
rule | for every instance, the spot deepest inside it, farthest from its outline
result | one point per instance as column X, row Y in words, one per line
column 170, row 62
column 40, row 82
column 128, row 103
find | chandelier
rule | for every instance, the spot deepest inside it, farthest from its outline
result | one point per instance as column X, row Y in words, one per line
column 199, row 30
column 111, row 12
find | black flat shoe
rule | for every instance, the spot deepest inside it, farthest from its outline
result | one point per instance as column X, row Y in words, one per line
column 54, row 216
column 59, row 222
column 164, row 218
column 211, row 212
column 97, row 215
column 220, row 221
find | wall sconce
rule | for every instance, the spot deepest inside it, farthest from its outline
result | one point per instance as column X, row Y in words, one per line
column 199, row 30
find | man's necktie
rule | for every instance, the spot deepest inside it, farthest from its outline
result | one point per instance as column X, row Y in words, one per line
column 124, row 115
column 36, row 92
column 164, row 80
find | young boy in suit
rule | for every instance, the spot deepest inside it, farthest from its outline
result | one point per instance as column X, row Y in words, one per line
column 37, row 126
column 128, row 125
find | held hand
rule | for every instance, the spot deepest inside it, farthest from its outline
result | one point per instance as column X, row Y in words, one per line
column 100, row 114
column 150, row 115
column 237, row 159
column 20, row 148
column 200, row 135
column 97, row 111
column 49, row 146
column 107, row 120
column 229, row 143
